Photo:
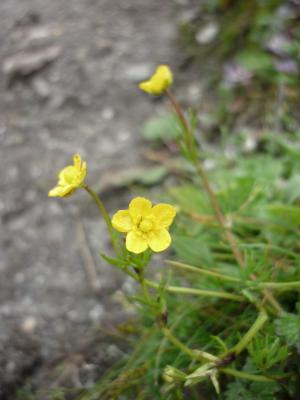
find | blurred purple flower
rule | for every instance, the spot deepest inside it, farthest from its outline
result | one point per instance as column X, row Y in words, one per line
column 235, row 74
column 287, row 66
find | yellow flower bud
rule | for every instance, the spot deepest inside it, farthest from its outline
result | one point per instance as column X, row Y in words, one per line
column 159, row 81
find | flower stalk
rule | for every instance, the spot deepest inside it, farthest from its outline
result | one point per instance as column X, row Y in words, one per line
column 189, row 139
column 105, row 216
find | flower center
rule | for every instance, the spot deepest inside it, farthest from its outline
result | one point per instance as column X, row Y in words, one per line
column 145, row 225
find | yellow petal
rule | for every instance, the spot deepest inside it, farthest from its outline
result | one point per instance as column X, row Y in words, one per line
column 121, row 221
column 61, row 191
column 159, row 240
column 83, row 170
column 146, row 87
column 165, row 73
column 77, row 161
column 163, row 214
column 138, row 208
column 135, row 243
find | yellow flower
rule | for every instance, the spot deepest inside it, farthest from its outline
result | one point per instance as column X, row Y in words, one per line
column 146, row 226
column 70, row 178
column 159, row 82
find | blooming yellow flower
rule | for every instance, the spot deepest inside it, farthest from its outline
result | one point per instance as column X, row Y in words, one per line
column 70, row 178
column 146, row 226
column 159, row 81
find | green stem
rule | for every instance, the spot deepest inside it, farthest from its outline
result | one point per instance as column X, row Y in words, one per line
column 144, row 287
column 250, row 284
column 188, row 137
column 277, row 285
column 105, row 216
column 198, row 292
column 202, row 174
column 196, row 355
column 246, row 339
column 246, row 375
column 185, row 290
column 203, row 271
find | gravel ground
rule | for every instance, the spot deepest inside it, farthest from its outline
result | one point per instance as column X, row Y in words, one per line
column 68, row 84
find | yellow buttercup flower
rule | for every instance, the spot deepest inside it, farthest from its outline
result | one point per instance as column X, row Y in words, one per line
column 146, row 226
column 159, row 81
column 70, row 178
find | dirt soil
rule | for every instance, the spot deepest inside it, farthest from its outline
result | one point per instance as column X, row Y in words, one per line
column 68, row 84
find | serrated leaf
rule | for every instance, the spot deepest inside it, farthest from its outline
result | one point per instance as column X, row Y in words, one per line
column 288, row 326
column 251, row 391
column 266, row 352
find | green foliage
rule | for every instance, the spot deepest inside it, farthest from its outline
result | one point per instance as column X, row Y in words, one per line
column 253, row 391
column 267, row 351
column 254, row 52
column 258, row 62
column 265, row 225
column 288, row 326
column 163, row 128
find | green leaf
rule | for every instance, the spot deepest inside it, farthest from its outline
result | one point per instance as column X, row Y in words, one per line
column 191, row 198
column 288, row 326
column 236, row 193
column 251, row 391
column 256, row 61
column 161, row 128
column 292, row 189
column 266, row 352
column 117, row 262
column 284, row 214
column 153, row 176
column 192, row 250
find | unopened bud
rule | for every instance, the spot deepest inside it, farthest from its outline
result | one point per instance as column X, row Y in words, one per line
column 172, row 374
